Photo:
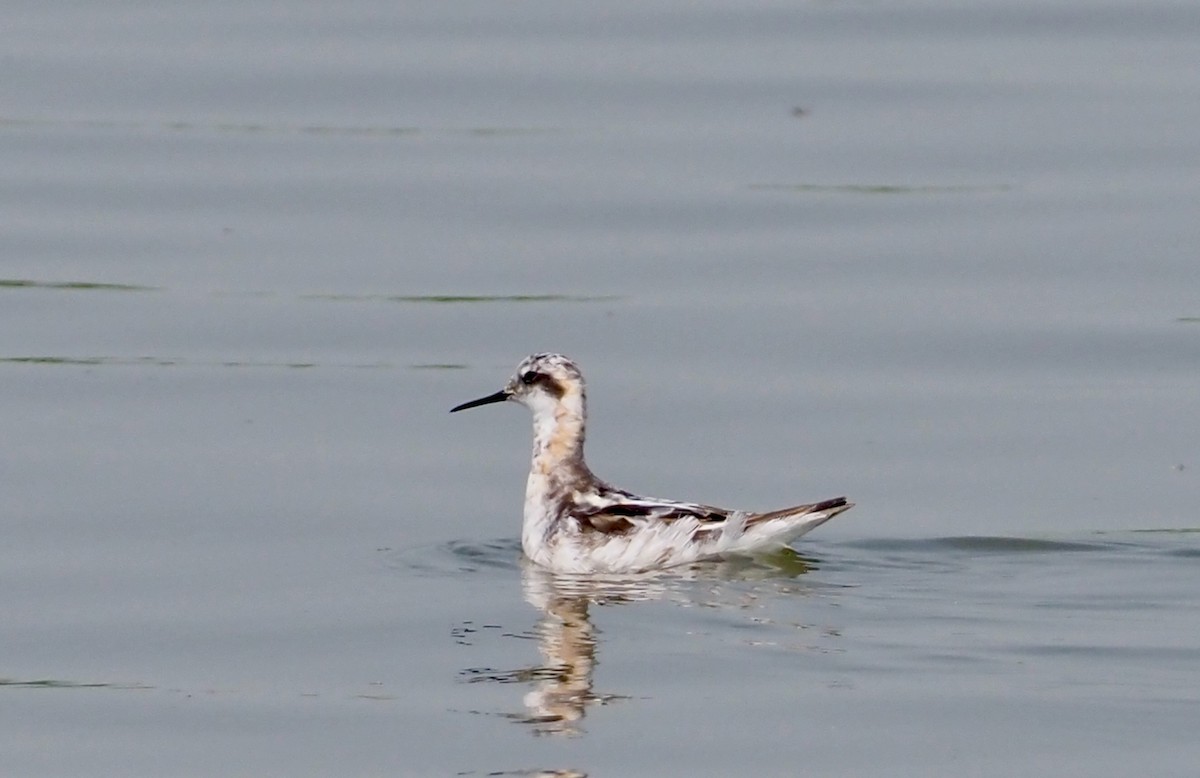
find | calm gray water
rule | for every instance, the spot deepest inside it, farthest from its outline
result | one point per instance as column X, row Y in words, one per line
column 941, row 259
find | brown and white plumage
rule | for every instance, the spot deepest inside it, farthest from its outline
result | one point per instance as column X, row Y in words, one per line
column 575, row 522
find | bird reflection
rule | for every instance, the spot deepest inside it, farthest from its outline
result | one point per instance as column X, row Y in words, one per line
column 563, row 684
column 567, row 642
column 563, row 689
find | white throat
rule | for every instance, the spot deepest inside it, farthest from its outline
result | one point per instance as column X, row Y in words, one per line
column 557, row 471
column 558, row 432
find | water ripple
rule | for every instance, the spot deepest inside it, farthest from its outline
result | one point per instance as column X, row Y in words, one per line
column 57, row 683
column 456, row 557
column 981, row 544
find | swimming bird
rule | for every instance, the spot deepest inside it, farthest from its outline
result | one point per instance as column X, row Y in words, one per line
column 576, row 523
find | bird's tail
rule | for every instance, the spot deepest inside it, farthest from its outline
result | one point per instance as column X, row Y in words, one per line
column 817, row 512
column 754, row 532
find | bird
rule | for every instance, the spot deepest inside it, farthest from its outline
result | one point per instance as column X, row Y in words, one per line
column 574, row 522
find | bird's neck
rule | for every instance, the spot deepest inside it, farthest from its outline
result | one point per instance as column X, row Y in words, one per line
column 558, row 436
column 558, row 473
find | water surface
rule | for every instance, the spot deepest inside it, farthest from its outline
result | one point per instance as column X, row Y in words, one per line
column 939, row 259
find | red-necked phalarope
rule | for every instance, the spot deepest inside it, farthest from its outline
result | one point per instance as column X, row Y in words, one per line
column 576, row 523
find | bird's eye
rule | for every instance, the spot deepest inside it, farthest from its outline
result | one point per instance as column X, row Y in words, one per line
column 529, row 378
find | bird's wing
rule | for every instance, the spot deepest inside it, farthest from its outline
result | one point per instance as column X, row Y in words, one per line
column 629, row 512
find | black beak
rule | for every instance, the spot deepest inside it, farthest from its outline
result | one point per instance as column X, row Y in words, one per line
column 498, row 397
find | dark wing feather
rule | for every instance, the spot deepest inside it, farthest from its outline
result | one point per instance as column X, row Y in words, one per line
column 623, row 517
column 626, row 512
column 800, row 510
